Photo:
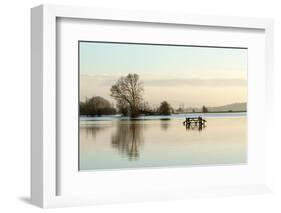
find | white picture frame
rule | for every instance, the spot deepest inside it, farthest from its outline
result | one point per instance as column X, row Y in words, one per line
column 44, row 154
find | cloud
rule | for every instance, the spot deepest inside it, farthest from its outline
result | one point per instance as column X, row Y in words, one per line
column 166, row 81
column 197, row 82
column 191, row 91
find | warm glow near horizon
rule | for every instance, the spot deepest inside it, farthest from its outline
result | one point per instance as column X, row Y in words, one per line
column 181, row 75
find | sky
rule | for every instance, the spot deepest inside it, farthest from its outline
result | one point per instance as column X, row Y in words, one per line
column 182, row 75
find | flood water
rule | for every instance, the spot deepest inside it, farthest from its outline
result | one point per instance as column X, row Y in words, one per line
column 154, row 141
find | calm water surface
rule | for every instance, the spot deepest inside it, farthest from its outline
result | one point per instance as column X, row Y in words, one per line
column 112, row 143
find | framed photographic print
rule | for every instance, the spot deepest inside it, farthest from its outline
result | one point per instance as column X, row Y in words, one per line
column 125, row 122
column 149, row 106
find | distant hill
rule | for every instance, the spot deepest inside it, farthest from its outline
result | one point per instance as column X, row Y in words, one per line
column 230, row 107
column 234, row 107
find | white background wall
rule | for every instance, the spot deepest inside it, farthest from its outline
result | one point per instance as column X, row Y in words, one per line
column 15, row 104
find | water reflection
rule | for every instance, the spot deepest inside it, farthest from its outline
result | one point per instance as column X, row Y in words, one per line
column 117, row 144
column 165, row 124
column 127, row 138
column 199, row 127
column 92, row 130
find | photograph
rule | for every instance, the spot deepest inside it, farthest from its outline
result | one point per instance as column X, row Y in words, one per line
column 149, row 105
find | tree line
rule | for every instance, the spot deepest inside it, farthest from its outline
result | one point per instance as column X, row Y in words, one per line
column 128, row 94
column 96, row 106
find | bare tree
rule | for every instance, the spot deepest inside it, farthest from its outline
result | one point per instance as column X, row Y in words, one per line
column 128, row 90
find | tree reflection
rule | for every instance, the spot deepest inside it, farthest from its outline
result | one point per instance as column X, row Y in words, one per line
column 165, row 124
column 92, row 130
column 127, row 138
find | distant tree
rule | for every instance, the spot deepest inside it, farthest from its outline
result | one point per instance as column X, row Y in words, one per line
column 96, row 106
column 180, row 109
column 128, row 91
column 165, row 108
column 204, row 109
column 193, row 110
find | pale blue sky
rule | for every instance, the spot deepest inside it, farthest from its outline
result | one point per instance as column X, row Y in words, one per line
column 213, row 71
